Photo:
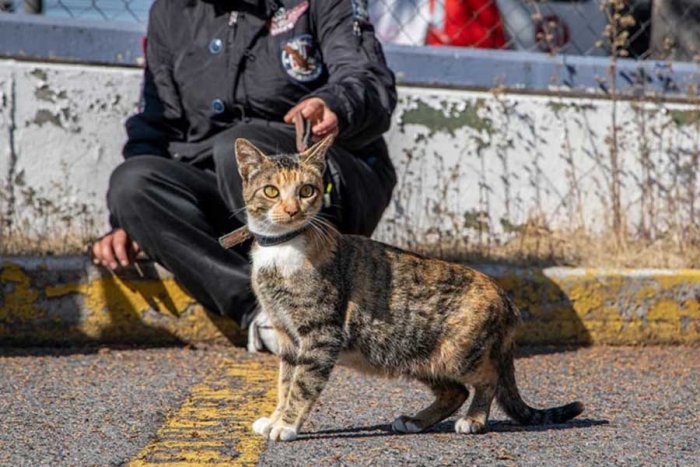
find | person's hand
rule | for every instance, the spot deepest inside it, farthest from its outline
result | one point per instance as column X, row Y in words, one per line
column 115, row 249
column 323, row 120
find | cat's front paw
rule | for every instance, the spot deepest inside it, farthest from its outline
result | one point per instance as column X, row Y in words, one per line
column 281, row 432
column 262, row 426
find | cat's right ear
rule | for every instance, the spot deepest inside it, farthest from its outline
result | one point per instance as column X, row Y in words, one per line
column 316, row 155
column 250, row 159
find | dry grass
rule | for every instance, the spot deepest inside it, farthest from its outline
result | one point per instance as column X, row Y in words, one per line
column 58, row 245
column 50, row 220
column 572, row 248
column 543, row 249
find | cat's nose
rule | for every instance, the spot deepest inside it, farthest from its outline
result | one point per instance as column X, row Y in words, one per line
column 292, row 211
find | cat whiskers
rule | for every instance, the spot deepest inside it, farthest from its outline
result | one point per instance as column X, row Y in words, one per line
column 266, row 226
column 325, row 222
column 320, row 228
column 235, row 212
column 319, row 237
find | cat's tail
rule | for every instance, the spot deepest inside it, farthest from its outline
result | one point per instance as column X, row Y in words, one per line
column 509, row 399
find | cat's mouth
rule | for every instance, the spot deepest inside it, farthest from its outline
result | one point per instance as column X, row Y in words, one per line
column 279, row 225
column 291, row 223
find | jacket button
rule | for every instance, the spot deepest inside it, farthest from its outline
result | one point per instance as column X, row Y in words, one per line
column 215, row 46
column 217, row 105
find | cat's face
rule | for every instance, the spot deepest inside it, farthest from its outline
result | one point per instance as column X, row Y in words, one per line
column 283, row 193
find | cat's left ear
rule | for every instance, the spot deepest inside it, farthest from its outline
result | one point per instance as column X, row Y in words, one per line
column 250, row 159
column 316, row 154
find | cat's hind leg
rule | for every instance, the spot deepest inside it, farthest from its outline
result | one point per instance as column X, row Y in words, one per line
column 474, row 422
column 449, row 397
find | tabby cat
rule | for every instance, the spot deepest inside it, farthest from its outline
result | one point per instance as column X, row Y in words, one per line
column 343, row 299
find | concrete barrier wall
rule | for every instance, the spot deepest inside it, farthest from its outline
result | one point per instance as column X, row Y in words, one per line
column 484, row 164
column 67, row 300
column 61, row 132
column 470, row 163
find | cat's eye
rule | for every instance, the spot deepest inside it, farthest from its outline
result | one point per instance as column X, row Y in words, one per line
column 307, row 191
column 271, row 191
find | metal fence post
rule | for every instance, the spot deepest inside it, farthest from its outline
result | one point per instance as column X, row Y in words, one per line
column 33, row 7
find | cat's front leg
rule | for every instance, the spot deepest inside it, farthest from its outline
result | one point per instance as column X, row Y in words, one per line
column 288, row 357
column 316, row 359
column 263, row 425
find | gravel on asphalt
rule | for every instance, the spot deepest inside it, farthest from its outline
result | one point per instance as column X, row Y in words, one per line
column 642, row 408
column 85, row 407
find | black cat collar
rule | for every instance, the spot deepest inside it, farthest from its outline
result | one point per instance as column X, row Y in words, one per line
column 242, row 234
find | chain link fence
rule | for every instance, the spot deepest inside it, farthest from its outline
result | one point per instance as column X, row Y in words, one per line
column 641, row 29
column 106, row 10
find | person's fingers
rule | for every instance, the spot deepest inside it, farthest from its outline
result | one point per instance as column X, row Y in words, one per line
column 312, row 110
column 132, row 250
column 326, row 126
column 107, row 252
column 289, row 116
column 122, row 247
column 324, row 121
column 319, row 137
column 96, row 252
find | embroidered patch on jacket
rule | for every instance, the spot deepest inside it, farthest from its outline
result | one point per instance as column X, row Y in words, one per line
column 301, row 59
column 284, row 20
column 360, row 10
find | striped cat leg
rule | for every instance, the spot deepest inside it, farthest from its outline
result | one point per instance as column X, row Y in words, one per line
column 262, row 426
column 317, row 357
column 287, row 355
column 449, row 397
column 478, row 413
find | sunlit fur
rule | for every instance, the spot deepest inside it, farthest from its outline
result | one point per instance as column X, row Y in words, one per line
column 342, row 299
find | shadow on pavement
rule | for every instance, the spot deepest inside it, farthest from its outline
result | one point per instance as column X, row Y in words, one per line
column 496, row 426
column 84, row 349
column 500, row 426
column 550, row 322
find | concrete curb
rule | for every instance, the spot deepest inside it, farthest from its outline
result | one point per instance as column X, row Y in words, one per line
column 68, row 301
column 604, row 306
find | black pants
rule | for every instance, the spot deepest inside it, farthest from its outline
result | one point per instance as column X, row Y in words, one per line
column 176, row 210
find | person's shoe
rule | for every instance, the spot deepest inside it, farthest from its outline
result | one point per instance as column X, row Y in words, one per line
column 262, row 337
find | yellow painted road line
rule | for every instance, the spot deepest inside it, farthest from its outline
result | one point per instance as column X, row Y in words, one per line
column 213, row 427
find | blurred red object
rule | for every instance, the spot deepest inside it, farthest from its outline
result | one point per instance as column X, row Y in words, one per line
column 144, row 45
column 465, row 23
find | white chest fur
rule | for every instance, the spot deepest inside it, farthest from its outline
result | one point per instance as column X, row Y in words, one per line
column 288, row 257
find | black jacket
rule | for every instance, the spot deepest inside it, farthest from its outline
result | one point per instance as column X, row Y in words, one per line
column 209, row 62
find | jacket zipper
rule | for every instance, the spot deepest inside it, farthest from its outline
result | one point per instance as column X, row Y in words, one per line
column 233, row 19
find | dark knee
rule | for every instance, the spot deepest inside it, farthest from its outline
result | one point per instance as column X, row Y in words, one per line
column 224, row 144
column 224, row 150
column 266, row 139
column 129, row 181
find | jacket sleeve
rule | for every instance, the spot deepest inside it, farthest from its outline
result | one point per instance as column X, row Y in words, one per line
column 361, row 89
column 160, row 119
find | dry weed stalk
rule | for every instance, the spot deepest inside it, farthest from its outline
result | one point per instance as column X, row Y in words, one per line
column 50, row 221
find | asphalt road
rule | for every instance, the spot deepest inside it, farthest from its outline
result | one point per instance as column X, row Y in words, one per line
column 89, row 407
column 102, row 408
